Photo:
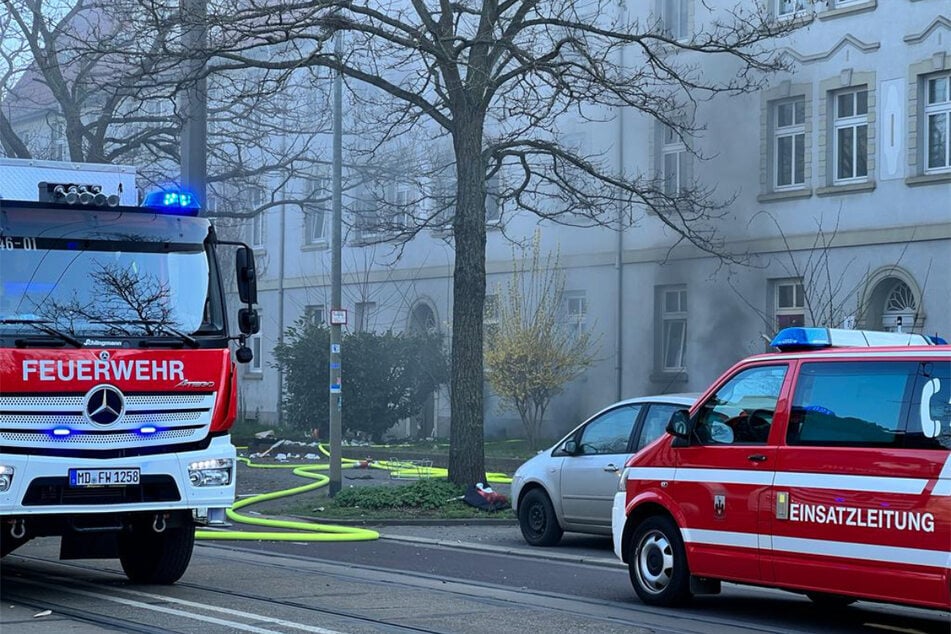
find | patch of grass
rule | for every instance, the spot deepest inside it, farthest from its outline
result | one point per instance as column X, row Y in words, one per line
column 424, row 499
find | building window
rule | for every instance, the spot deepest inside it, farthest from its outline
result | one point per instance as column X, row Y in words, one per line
column 789, row 304
column 789, row 143
column 315, row 209
column 314, row 314
column 400, row 199
column 575, row 308
column 673, row 328
column 791, row 8
column 362, row 316
column 851, row 136
column 256, row 343
column 257, row 230
column 674, row 16
column 938, row 123
column 673, row 166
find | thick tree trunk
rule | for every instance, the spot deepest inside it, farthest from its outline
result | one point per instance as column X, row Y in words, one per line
column 466, row 442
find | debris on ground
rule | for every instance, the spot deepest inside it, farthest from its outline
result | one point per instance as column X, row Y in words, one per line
column 483, row 497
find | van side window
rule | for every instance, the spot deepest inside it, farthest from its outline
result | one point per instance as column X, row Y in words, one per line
column 851, row 404
column 610, row 432
column 929, row 417
column 741, row 411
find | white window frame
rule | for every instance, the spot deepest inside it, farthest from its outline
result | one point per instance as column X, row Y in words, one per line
column 795, row 133
column 256, row 343
column 673, row 318
column 257, row 230
column 675, row 16
column 792, row 305
column 937, row 108
column 315, row 215
column 401, row 198
column 575, row 310
column 673, row 161
column 792, row 8
column 853, row 117
column 315, row 313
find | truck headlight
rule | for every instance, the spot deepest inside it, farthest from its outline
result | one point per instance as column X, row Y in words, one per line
column 6, row 478
column 211, row 473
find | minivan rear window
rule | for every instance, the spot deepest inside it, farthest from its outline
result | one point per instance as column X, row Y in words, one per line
column 872, row 404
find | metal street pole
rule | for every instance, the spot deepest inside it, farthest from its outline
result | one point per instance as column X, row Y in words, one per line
column 336, row 391
column 194, row 107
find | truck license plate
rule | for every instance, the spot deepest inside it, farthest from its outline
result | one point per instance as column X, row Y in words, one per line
column 103, row 477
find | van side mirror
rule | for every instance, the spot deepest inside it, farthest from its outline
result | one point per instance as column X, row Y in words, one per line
column 679, row 424
column 247, row 276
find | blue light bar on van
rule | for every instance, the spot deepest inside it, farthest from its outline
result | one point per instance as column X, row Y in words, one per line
column 799, row 338
column 178, row 202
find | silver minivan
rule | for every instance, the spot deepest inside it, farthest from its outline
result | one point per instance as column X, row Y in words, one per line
column 571, row 486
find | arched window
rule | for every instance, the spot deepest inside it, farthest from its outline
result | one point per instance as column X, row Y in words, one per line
column 900, row 308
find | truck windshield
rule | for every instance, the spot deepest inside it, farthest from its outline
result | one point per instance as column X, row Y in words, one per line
column 105, row 274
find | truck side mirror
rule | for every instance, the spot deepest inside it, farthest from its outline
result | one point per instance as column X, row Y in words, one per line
column 248, row 321
column 247, row 276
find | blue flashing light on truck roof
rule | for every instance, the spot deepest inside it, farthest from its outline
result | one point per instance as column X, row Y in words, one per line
column 179, row 202
column 799, row 338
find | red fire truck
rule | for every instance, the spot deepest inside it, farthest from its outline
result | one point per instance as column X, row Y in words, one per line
column 117, row 384
column 824, row 468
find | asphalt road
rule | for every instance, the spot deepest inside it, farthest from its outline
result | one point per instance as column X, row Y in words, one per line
column 464, row 578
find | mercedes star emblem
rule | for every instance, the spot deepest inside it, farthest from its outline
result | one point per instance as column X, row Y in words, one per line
column 104, row 405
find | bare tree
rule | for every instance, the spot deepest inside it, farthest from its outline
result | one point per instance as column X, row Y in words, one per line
column 95, row 81
column 829, row 299
column 496, row 81
column 530, row 354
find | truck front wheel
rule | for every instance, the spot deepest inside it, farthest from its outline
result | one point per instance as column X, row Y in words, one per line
column 148, row 557
column 658, row 563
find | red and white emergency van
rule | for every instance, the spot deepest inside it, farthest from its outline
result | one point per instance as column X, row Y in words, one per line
column 117, row 384
column 824, row 469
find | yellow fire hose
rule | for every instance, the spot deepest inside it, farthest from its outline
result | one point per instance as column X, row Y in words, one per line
column 312, row 531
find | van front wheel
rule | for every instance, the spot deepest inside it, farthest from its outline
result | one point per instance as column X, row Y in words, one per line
column 658, row 563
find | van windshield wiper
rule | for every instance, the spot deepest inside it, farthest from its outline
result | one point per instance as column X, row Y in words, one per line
column 151, row 323
column 43, row 326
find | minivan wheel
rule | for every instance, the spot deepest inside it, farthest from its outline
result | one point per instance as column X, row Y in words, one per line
column 658, row 563
column 536, row 518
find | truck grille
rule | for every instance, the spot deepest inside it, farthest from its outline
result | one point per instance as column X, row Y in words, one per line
column 29, row 421
column 56, row 491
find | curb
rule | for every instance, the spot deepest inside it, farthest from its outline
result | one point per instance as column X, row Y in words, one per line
column 534, row 553
column 489, row 521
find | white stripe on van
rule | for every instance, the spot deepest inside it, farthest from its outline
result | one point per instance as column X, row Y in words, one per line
column 798, row 479
column 875, row 484
column 868, row 552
